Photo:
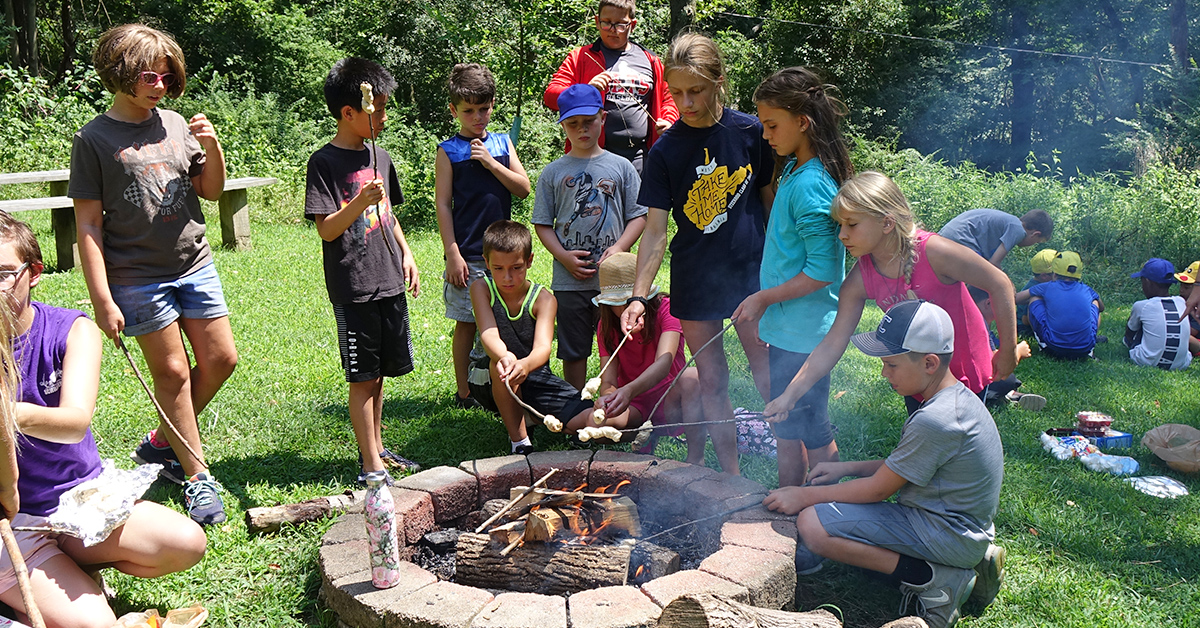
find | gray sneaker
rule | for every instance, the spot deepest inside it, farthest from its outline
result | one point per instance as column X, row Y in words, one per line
column 807, row 563
column 989, row 574
column 939, row 601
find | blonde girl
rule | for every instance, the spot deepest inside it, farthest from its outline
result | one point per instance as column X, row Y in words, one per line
column 803, row 262
column 899, row 261
column 645, row 366
column 710, row 172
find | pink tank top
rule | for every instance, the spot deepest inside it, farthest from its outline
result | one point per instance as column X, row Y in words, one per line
column 972, row 361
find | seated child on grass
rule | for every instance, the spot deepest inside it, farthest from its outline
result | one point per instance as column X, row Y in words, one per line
column 350, row 191
column 1042, row 266
column 1187, row 281
column 993, row 234
column 1004, row 389
column 646, row 365
column 58, row 353
column 516, row 326
column 1064, row 313
column 935, row 541
column 1154, row 334
column 585, row 210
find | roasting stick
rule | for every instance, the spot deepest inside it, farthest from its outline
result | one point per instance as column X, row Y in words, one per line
column 592, row 388
column 513, row 502
column 368, row 106
column 703, row 519
column 22, row 573
column 749, row 416
column 551, row 423
column 161, row 414
column 613, row 356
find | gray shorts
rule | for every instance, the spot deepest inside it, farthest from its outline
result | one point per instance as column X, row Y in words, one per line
column 882, row 524
column 458, row 300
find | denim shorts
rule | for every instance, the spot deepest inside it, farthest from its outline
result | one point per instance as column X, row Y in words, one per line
column 150, row 307
column 808, row 420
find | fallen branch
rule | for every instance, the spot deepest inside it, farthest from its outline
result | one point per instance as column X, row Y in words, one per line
column 22, row 573
column 272, row 518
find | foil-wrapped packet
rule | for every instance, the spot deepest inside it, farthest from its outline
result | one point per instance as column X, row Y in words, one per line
column 91, row 511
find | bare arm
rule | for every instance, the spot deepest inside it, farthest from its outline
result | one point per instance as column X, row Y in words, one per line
column 955, row 262
column 457, row 271
column 210, row 183
column 576, row 262
column 650, row 257
column 89, row 231
column 544, row 309
column 68, row 422
column 880, row 485
column 1022, row 297
column 633, row 231
column 998, row 256
column 513, row 178
column 412, row 275
column 331, row 226
column 616, row 400
column 852, row 298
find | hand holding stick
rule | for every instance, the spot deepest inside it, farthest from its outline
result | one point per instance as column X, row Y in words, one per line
column 368, row 107
column 593, row 385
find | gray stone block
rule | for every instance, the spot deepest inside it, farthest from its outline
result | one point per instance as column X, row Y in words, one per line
column 612, row 467
column 454, row 491
column 523, row 610
column 358, row 603
column 497, row 475
column 347, row 528
column 612, row 607
column 663, row 591
column 572, row 467
column 769, row 577
column 343, row 559
column 439, row 605
column 769, row 536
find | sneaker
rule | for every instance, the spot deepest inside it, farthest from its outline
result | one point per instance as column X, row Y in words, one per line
column 940, row 600
column 396, row 461
column 203, row 501
column 147, row 453
column 989, row 575
column 807, row 563
column 524, row 450
column 388, row 479
column 1027, row 401
column 466, row 403
column 1101, row 339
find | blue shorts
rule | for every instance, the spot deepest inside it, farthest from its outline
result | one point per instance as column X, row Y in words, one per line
column 150, row 307
column 808, row 420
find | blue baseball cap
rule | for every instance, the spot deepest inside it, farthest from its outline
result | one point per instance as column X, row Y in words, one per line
column 1157, row 270
column 579, row 99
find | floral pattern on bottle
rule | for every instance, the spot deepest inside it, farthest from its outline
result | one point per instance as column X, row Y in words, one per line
column 380, row 513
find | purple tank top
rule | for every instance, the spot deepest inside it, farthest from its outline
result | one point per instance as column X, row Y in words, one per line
column 972, row 361
column 48, row 469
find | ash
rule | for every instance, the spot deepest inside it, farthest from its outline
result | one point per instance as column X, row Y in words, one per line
column 692, row 545
column 435, row 553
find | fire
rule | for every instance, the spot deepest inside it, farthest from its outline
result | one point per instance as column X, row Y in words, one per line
column 620, row 484
column 638, row 573
column 602, row 488
column 579, row 488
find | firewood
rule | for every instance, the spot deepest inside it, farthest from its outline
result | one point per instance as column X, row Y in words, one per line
column 621, row 514
column 541, row 493
column 516, row 497
column 548, row 568
column 711, row 611
column 507, row 533
column 544, row 523
column 560, row 498
column 271, row 518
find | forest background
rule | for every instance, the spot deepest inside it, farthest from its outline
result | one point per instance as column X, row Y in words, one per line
column 1087, row 108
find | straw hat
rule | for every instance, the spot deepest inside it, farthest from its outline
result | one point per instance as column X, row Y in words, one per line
column 617, row 274
column 1043, row 262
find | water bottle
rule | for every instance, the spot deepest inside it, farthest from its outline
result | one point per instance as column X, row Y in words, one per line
column 1054, row 447
column 1105, row 463
column 380, row 513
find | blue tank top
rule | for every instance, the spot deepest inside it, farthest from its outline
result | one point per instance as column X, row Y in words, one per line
column 477, row 197
column 48, row 469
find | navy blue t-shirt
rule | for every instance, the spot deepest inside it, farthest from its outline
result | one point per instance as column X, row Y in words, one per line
column 478, row 198
column 709, row 179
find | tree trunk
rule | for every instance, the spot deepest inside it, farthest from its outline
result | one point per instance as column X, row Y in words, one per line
column 1137, row 88
column 68, row 38
column 682, row 12
column 27, row 34
column 10, row 21
column 547, row 568
column 1023, row 105
column 1179, row 32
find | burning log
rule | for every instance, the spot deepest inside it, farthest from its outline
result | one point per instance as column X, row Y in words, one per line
column 551, row 569
column 544, row 523
column 508, row 532
column 271, row 518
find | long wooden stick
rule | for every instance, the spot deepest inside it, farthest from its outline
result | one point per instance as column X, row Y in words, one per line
column 523, row 404
column 513, row 502
column 22, row 573
column 612, row 357
column 692, row 359
column 154, row 400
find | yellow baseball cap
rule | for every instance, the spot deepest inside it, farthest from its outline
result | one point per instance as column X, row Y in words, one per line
column 1068, row 264
column 1189, row 274
column 1043, row 261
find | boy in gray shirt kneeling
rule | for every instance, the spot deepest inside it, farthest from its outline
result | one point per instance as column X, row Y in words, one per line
column 935, row 541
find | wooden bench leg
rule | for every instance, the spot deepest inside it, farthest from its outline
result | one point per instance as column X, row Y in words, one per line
column 235, row 220
column 62, row 221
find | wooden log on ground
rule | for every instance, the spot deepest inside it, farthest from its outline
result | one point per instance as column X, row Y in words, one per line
column 547, row 568
column 271, row 518
column 711, row 611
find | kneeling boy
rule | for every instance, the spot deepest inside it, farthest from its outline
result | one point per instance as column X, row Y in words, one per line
column 935, row 541
column 516, row 327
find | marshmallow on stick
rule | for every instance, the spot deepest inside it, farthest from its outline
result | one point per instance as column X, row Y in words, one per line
column 368, row 98
column 608, row 431
column 598, row 416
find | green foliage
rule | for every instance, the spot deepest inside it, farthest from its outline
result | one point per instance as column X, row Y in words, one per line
column 40, row 117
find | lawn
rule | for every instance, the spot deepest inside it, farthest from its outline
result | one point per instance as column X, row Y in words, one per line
column 1083, row 549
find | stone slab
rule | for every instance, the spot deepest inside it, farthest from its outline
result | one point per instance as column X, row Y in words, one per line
column 761, row 513
column 572, row 468
column 454, row 491
column 417, row 509
column 343, row 559
column 612, row 607
column 497, row 475
column 523, row 610
column 663, row 591
column 347, row 528
column 439, row 605
column 612, row 467
column 769, row 536
column 708, row 496
column 358, row 603
column 662, row 487
column 768, row 576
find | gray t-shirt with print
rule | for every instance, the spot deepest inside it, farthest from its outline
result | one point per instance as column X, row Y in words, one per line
column 951, row 455
column 984, row 230
column 142, row 174
column 588, row 202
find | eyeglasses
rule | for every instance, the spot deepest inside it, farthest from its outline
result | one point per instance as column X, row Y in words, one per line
column 8, row 278
column 619, row 27
column 152, row 78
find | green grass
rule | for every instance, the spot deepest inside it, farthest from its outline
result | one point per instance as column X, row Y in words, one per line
column 1084, row 549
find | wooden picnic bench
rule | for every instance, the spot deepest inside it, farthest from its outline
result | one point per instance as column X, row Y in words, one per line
column 233, row 204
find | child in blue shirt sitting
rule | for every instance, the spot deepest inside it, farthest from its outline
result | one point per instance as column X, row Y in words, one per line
column 1064, row 313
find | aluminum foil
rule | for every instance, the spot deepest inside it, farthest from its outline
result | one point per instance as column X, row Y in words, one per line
column 91, row 511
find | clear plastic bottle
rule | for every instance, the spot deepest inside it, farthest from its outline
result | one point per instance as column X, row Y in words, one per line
column 1054, row 447
column 1105, row 463
column 380, row 512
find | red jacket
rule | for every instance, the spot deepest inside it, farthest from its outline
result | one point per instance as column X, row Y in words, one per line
column 585, row 62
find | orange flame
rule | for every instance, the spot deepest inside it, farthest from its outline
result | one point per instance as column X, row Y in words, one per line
column 640, row 569
column 580, row 487
column 620, row 484
column 602, row 489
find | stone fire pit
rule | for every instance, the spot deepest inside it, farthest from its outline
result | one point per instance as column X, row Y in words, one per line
column 752, row 560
